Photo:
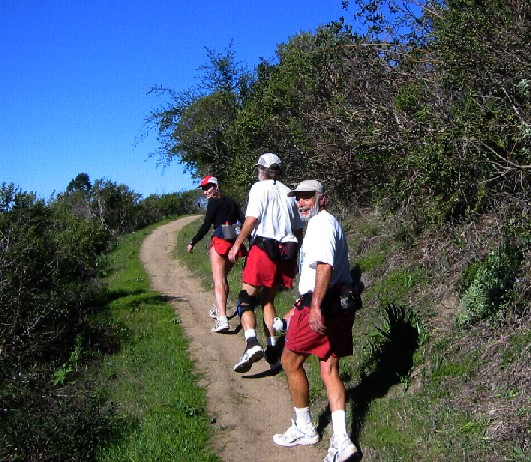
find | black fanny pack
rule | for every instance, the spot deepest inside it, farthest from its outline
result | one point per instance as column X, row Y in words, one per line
column 338, row 299
column 277, row 251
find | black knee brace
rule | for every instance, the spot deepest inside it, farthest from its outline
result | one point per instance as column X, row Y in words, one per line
column 245, row 303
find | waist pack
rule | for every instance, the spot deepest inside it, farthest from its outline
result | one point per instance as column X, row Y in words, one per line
column 277, row 251
column 227, row 231
column 338, row 299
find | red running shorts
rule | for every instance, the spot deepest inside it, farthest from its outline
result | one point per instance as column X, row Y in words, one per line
column 261, row 271
column 222, row 247
column 337, row 341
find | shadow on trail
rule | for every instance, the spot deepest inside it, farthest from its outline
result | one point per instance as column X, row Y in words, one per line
column 261, row 375
column 172, row 298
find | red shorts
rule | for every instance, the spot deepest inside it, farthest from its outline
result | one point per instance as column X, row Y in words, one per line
column 261, row 271
column 337, row 341
column 222, row 247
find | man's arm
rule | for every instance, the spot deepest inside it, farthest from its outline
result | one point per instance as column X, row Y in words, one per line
column 245, row 231
column 323, row 275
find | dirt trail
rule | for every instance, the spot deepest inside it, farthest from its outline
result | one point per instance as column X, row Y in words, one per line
column 249, row 408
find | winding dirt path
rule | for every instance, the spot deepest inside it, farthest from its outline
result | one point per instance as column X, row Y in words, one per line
column 248, row 408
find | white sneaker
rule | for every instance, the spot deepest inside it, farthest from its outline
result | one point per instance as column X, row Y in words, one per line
column 213, row 313
column 221, row 325
column 293, row 436
column 250, row 355
column 342, row 452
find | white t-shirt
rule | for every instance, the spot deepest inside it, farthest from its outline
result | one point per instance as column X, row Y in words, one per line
column 324, row 242
column 277, row 213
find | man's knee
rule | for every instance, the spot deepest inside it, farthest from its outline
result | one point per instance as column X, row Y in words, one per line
column 246, row 302
column 292, row 362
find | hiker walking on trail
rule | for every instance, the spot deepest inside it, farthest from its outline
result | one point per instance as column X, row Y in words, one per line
column 225, row 216
column 320, row 323
column 274, row 226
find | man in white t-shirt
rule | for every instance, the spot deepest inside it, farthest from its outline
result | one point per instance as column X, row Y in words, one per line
column 274, row 226
column 320, row 324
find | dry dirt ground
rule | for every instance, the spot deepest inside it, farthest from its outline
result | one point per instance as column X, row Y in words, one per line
column 248, row 408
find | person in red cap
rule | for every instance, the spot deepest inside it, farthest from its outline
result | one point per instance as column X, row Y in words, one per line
column 225, row 216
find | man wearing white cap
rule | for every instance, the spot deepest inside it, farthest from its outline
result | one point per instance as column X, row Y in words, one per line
column 320, row 323
column 274, row 226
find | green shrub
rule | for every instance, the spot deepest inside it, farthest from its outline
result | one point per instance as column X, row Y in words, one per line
column 490, row 285
column 49, row 289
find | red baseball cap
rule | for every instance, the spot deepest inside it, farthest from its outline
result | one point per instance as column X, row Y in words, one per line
column 209, row 179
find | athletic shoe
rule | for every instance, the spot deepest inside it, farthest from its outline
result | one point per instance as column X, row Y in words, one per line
column 220, row 325
column 280, row 325
column 213, row 313
column 294, row 436
column 342, row 452
column 253, row 352
column 271, row 356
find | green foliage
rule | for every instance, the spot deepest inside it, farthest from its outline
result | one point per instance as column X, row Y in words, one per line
column 156, row 208
column 117, row 208
column 48, row 292
column 490, row 283
column 60, row 375
column 425, row 113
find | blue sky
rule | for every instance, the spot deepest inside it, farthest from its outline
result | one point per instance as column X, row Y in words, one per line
column 75, row 77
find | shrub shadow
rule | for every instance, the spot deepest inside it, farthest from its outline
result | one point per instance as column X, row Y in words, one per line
column 391, row 361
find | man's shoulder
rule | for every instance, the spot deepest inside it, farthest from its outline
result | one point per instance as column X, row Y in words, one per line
column 324, row 219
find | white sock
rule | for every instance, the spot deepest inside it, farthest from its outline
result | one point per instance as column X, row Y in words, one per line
column 303, row 418
column 339, row 425
column 271, row 341
column 222, row 318
column 249, row 333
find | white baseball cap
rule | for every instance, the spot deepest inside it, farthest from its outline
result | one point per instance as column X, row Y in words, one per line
column 268, row 160
column 307, row 186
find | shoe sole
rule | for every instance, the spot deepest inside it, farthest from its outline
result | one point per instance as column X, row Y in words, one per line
column 220, row 329
column 242, row 368
column 353, row 456
column 306, row 442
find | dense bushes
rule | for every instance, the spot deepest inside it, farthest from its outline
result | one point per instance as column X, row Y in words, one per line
column 52, row 305
column 49, row 287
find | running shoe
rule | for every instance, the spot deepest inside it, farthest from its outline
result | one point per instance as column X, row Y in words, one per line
column 342, row 452
column 272, row 357
column 294, row 436
column 253, row 352
column 220, row 325
column 213, row 313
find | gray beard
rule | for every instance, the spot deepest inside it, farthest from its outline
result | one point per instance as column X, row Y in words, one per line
column 311, row 213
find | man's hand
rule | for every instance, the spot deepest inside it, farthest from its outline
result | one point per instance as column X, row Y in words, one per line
column 190, row 248
column 247, row 227
column 323, row 274
column 316, row 320
column 233, row 252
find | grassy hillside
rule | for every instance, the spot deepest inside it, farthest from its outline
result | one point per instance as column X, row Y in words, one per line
column 432, row 379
